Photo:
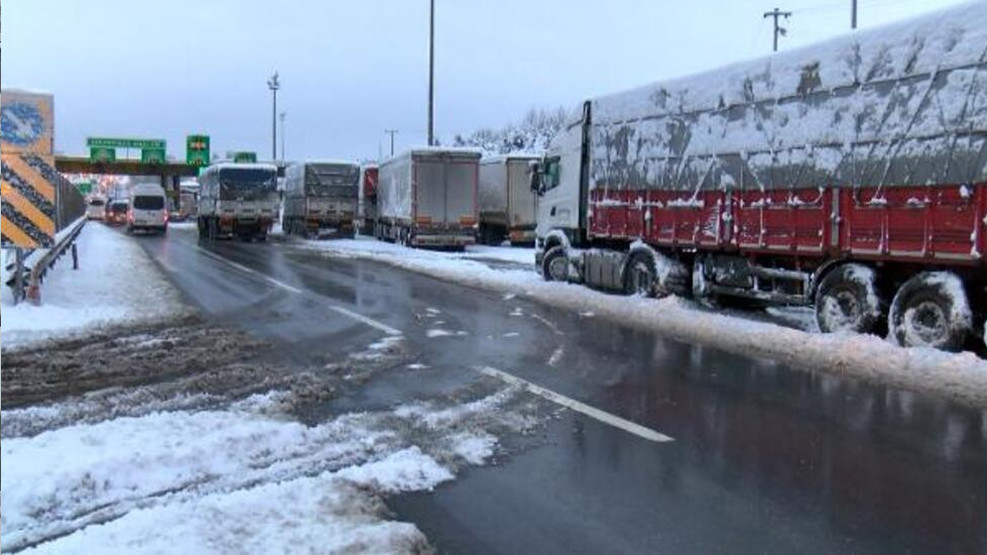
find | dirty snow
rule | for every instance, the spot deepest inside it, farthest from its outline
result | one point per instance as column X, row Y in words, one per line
column 246, row 478
column 961, row 377
column 116, row 282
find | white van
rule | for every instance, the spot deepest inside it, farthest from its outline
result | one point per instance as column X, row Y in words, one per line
column 148, row 209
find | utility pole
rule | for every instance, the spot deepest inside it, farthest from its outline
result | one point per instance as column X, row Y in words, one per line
column 274, row 84
column 853, row 17
column 779, row 30
column 283, row 135
column 391, row 132
column 431, row 73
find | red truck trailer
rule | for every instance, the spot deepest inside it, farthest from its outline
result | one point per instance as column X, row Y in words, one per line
column 849, row 176
column 368, row 198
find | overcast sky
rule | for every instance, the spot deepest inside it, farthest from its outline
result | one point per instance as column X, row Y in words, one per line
column 352, row 68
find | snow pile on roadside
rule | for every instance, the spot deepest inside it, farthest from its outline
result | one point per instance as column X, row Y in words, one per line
column 363, row 245
column 116, row 282
column 960, row 377
column 244, row 479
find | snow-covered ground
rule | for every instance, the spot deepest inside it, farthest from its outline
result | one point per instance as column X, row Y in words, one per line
column 116, row 282
column 244, row 479
column 961, row 377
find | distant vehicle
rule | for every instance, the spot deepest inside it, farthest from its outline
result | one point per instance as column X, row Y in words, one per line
column 851, row 183
column 116, row 212
column 427, row 197
column 148, row 209
column 320, row 199
column 367, row 207
column 96, row 208
column 508, row 207
column 237, row 200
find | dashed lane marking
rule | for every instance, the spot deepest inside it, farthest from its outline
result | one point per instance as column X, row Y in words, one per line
column 572, row 404
column 291, row 289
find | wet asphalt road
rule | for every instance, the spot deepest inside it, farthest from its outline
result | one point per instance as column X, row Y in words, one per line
column 766, row 458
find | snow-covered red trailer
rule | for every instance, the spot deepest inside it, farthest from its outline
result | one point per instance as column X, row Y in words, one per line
column 849, row 175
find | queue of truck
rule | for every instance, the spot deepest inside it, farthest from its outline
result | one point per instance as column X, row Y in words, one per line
column 848, row 183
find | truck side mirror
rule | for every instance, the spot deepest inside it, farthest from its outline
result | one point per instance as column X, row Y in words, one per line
column 535, row 179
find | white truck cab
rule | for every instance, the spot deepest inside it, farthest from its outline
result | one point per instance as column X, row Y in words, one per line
column 559, row 182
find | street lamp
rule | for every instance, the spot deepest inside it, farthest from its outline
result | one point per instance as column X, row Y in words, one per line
column 274, row 84
column 431, row 73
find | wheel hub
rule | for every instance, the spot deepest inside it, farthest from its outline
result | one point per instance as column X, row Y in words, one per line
column 558, row 268
column 927, row 323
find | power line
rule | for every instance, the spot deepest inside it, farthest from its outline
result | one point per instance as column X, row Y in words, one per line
column 779, row 30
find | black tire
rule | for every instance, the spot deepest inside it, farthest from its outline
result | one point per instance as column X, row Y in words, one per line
column 639, row 275
column 931, row 310
column 555, row 266
column 848, row 300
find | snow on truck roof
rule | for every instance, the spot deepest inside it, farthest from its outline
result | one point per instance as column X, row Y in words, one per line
column 905, row 103
column 233, row 165
column 496, row 159
column 327, row 162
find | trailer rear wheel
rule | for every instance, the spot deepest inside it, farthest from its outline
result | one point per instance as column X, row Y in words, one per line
column 931, row 310
column 640, row 276
column 555, row 266
column 848, row 300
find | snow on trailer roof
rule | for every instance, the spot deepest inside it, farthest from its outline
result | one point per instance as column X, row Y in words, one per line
column 328, row 162
column 231, row 165
column 498, row 158
column 451, row 152
column 906, row 103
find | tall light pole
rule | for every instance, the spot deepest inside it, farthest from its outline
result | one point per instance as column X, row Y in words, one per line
column 431, row 73
column 853, row 17
column 274, row 84
column 283, row 135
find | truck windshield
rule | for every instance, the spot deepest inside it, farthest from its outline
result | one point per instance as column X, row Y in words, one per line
column 331, row 180
column 247, row 184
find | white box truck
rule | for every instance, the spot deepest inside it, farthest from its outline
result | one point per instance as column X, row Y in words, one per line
column 508, row 206
column 238, row 200
column 428, row 197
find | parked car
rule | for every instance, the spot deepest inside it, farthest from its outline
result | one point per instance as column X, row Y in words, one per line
column 148, row 209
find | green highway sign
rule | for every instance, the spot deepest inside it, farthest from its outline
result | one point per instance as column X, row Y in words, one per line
column 103, row 142
column 197, row 150
column 244, row 157
column 153, row 156
column 84, row 187
column 102, row 155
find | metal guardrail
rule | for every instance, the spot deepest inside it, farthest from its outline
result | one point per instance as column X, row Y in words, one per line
column 28, row 275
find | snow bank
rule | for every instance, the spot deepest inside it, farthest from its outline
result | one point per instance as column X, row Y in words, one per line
column 116, row 282
column 960, row 377
column 243, row 479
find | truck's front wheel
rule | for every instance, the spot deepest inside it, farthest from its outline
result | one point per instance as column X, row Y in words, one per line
column 640, row 275
column 931, row 310
column 555, row 266
column 848, row 300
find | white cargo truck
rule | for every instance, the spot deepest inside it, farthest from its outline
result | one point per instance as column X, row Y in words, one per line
column 320, row 199
column 428, row 197
column 508, row 207
column 237, row 200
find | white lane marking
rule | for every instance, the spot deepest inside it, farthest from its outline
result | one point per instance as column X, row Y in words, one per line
column 368, row 321
column 572, row 404
column 345, row 312
column 250, row 271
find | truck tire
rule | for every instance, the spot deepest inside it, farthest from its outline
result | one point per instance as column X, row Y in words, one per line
column 848, row 300
column 639, row 275
column 931, row 310
column 555, row 266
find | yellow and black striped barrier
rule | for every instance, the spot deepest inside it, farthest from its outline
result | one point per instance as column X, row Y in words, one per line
column 29, row 179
